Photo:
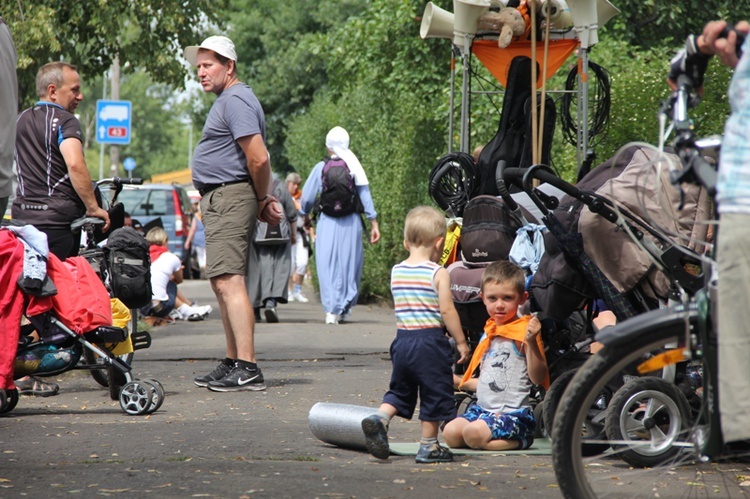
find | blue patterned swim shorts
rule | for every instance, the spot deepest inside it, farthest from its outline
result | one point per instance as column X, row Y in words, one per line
column 516, row 425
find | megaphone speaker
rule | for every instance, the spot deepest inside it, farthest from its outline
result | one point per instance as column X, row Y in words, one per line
column 466, row 13
column 436, row 22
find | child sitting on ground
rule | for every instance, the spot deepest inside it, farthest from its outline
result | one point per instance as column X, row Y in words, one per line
column 511, row 358
column 421, row 353
column 166, row 274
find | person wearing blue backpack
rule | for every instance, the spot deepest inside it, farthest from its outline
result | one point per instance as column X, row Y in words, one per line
column 337, row 192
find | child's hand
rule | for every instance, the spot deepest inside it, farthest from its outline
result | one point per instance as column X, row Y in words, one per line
column 463, row 350
column 533, row 329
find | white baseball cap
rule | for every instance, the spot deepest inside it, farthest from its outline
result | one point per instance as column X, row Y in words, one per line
column 219, row 44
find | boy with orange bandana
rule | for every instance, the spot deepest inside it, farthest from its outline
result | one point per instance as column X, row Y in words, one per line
column 511, row 359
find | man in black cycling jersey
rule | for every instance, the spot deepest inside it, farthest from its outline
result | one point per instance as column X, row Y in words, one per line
column 54, row 184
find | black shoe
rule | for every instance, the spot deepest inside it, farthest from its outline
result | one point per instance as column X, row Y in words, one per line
column 271, row 314
column 434, row 453
column 376, row 436
column 221, row 370
column 239, row 379
column 256, row 310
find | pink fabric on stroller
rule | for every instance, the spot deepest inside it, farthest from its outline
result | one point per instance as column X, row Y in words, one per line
column 82, row 302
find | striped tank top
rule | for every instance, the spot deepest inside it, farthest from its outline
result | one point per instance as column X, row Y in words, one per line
column 415, row 297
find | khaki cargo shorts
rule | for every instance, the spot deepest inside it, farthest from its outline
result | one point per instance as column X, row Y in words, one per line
column 229, row 215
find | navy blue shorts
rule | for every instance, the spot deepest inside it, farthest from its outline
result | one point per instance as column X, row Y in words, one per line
column 422, row 361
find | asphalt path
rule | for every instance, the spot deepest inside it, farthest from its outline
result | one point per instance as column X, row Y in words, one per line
column 246, row 444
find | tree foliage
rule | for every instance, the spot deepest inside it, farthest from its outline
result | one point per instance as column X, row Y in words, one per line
column 145, row 34
column 281, row 59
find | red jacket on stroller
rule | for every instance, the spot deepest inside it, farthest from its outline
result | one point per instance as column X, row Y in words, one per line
column 81, row 303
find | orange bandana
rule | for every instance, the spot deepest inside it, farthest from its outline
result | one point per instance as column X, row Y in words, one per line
column 515, row 331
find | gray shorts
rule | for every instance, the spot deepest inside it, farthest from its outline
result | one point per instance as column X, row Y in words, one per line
column 229, row 215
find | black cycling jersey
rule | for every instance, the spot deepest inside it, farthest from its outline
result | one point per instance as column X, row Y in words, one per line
column 45, row 196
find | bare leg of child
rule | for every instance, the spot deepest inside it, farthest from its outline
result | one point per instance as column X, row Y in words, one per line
column 430, row 450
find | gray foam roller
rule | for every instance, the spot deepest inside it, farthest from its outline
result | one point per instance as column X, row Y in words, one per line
column 339, row 424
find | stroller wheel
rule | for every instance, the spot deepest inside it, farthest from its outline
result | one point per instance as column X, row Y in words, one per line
column 649, row 417
column 103, row 376
column 8, row 400
column 158, row 397
column 136, row 398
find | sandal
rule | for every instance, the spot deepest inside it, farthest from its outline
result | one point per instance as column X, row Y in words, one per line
column 158, row 321
column 32, row 385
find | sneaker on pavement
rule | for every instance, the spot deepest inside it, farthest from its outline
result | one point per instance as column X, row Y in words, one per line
column 270, row 311
column 176, row 315
column 376, row 436
column 239, row 379
column 221, row 370
column 434, row 453
column 203, row 310
column 271, row 315
column 332, row 318
column 300, row 298
column 345, row 316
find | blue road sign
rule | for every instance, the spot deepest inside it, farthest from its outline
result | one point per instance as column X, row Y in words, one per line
column 113, row 121
column 129, row 164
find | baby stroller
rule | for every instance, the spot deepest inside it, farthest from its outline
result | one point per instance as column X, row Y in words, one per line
column 70, row 318
column 591, row 255
column 490, row 227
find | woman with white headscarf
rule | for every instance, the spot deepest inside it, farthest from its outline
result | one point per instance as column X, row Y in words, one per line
column 339, row 255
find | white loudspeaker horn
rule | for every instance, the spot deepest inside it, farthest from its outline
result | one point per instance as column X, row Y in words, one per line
column 466, row 13
column 436, row 22
column 559, row 14
column 605, row 11
column 588, row 13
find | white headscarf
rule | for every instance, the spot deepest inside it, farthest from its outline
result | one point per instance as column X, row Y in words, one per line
column 337, row 141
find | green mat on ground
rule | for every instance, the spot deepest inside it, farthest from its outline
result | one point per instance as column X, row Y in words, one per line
column 541, row 447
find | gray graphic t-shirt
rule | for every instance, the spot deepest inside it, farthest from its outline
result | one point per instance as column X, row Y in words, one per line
column 504, row 379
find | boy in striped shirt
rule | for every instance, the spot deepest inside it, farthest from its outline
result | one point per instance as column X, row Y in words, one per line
column 421, row 353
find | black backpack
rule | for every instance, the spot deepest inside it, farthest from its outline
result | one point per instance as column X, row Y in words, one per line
column 512, row 142
column 338, row 195
column 130, row 267
column 488, row 230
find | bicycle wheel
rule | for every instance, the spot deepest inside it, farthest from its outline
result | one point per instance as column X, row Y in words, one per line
column 553, row 396
column 583, row 475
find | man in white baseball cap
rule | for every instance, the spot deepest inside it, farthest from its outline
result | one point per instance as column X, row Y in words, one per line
column 232, row 172
column 219, row 44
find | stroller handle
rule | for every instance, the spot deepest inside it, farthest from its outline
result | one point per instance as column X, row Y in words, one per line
column 542, row 173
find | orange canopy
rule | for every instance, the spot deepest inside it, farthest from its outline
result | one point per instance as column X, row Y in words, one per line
column 498, row 60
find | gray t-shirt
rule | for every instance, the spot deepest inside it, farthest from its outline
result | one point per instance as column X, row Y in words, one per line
column 218, row 158
column 503, row 378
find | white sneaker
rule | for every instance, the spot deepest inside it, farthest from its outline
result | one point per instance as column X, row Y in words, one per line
column 291, row 296
column 203, row 310
column 332, row 318
column 345, row 316
column 176, row 315
column 300, row 298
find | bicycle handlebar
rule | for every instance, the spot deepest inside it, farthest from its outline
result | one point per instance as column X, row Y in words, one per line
column 116, row 181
